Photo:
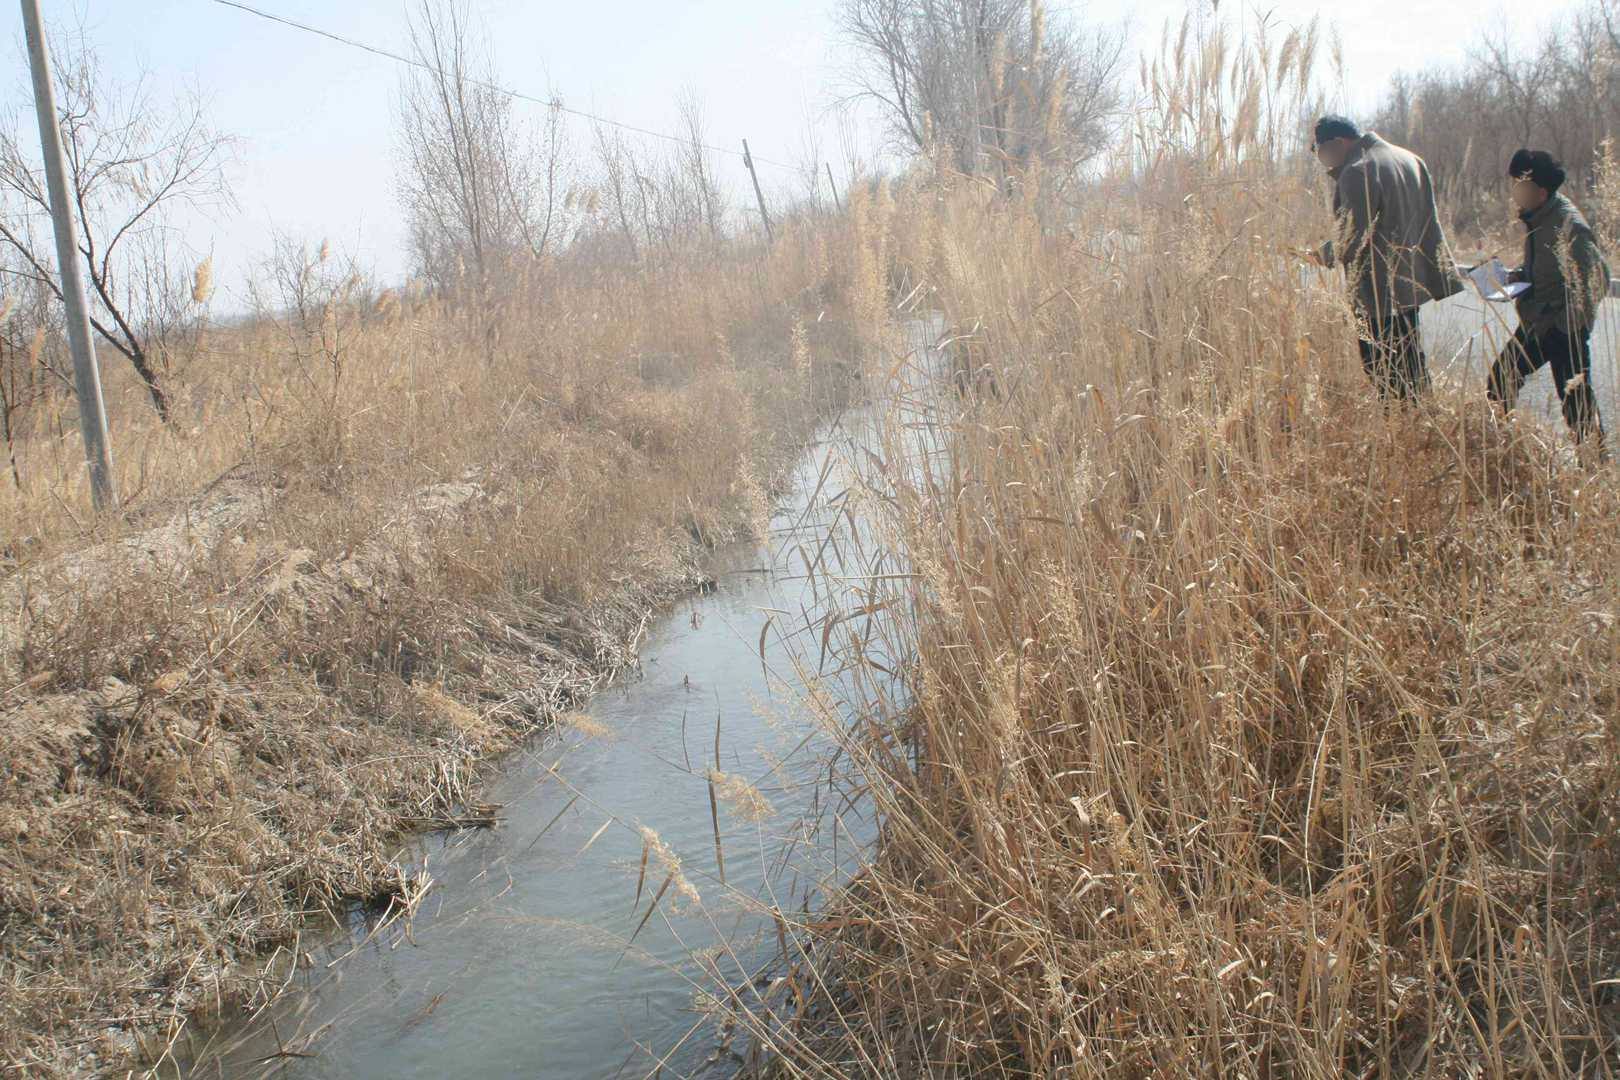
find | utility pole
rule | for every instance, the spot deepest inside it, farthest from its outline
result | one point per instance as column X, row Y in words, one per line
column 833, row 184
column 748, row 159
column 86, row 376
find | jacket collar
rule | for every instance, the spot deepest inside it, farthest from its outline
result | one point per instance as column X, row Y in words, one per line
column 1541, row 214
column 1362, row 145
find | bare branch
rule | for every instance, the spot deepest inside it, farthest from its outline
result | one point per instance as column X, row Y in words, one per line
column 129, row 161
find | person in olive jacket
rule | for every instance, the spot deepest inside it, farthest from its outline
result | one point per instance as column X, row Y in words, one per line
column 1391, row 245
column 1568, row 279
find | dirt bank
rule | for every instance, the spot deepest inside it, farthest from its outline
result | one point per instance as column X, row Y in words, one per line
column 260, row 752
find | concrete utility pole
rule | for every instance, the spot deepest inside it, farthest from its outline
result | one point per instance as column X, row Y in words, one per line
column 748, row 160
column 86, row 376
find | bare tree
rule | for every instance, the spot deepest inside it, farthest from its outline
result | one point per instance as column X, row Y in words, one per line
column 27, row 375
column 996, row 85
column 1604, row 17
column 619, row 186
column 852, row 158
column 811, row 161
column 644, row 200
column 481, row 189
column 697, row 162
column 131, row 162
column 544, row 200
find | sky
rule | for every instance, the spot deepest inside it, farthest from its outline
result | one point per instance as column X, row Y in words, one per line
column 313, row 119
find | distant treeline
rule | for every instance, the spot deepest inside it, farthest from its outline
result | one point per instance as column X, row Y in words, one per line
column 1559, row 91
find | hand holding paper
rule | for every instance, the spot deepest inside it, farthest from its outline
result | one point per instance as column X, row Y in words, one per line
column 1491, row 279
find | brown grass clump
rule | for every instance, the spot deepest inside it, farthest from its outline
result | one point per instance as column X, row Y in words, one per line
column 1255, row 729
column 374, row 552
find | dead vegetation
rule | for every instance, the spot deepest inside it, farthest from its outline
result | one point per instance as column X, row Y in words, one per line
column 1252, row 728
column 1255, row 729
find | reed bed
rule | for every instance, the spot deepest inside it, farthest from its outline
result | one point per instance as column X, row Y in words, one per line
column 1255, row 728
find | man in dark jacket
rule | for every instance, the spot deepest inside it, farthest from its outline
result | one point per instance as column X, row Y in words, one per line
column 1568, row 279
column 1391, row 245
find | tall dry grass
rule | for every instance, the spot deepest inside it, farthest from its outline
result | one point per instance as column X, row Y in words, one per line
column 1255, row 729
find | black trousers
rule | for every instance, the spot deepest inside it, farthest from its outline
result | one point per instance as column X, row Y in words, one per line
column 1571, row 362
column 1392, row 353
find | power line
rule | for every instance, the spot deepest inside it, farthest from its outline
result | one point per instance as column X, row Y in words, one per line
column 553, row 103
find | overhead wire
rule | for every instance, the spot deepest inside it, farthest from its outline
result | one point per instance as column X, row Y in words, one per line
column 550, row 103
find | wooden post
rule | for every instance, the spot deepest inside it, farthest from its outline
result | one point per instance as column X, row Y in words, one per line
column 834, row 186
column 86, row 376
column 748, row 159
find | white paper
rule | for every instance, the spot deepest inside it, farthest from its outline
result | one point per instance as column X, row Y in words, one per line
column 1490, row 278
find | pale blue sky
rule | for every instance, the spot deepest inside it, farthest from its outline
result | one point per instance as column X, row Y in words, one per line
column 314, row 117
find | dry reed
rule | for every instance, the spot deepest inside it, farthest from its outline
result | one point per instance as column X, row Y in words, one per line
column 1254, row 728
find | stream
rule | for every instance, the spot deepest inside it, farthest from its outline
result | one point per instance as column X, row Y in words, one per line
column 540, row 950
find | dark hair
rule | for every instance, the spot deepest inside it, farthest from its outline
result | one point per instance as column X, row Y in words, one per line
column 1336, row 127
column 1539, row 167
